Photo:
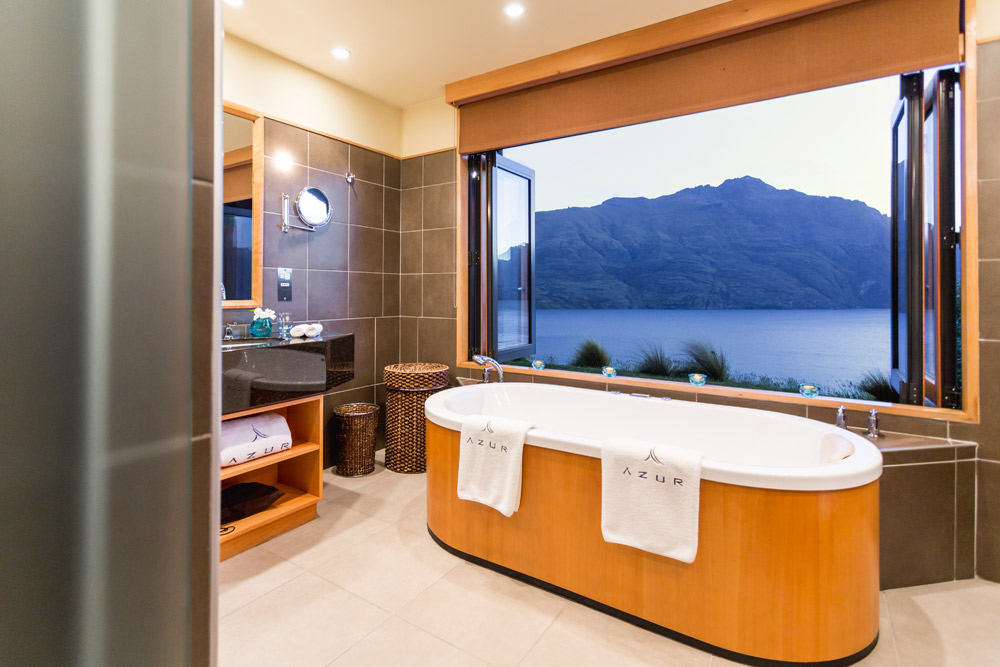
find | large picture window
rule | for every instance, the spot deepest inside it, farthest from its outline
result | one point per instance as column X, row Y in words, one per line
column 766, row 245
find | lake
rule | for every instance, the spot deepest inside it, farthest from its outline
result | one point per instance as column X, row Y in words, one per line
column 825, row 347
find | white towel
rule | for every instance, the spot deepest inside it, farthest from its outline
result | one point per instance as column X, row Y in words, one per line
column 250, row 438
column 313, row 330
column 298, row 331
column 489, row 461
column 649, row 497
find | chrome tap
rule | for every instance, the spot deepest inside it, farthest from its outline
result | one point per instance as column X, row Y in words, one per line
column 873, row 431
column 488, row 364
column 841, row 417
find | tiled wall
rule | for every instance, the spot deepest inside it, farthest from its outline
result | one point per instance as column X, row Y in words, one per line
column 988, row 431
column 427, row 259
column 346, row 274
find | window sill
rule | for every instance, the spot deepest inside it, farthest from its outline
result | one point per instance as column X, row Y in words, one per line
column 759, row 395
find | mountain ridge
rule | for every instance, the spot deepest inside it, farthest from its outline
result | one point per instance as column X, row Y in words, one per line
column 742, row 244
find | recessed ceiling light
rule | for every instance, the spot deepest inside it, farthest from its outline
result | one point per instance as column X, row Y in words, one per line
column 514, row 9
column 341, row 53
column 234, row 3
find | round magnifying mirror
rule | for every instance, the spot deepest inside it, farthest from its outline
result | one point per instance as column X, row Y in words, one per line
column 313, row 207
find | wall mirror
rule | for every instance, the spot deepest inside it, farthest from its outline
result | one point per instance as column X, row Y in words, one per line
column 313, row 207
column 242, row 208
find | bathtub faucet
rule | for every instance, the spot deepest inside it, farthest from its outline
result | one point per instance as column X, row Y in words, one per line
column 488, row 364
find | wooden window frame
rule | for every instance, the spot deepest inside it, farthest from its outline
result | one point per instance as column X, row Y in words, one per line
column 970, row 410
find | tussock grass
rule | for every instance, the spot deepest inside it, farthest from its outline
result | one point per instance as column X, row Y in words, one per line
column 876, row 384
column 704, row 358
column 652, row 360
column 591, row 354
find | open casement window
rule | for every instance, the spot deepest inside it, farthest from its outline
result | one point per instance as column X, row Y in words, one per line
column 510, row 252
column 940, row 241
column 924, row 242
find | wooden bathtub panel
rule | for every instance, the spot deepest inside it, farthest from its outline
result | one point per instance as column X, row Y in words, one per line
column 783, row 575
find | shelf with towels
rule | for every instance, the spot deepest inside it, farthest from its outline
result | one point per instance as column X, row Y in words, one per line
column 297, row 472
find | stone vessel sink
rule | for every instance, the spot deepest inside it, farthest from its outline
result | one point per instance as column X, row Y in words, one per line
column 262, row 371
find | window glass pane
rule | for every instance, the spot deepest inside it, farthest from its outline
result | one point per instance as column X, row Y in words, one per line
column 512, row 223
column 930, row 247
column 902, row 333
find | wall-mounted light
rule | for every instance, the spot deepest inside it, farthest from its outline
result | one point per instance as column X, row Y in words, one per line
column 340, row 53
column 513, row 9
column 284, row 161
column 234, row 3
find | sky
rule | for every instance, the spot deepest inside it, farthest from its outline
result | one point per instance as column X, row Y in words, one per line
column 832, row 142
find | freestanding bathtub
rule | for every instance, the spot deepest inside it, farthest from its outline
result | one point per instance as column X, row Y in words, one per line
column 787, row 564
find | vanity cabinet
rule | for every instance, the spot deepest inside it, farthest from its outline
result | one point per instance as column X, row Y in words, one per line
column 298, row 472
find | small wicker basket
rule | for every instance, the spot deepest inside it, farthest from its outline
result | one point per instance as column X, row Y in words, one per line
column 407, row 388
column 356, row 427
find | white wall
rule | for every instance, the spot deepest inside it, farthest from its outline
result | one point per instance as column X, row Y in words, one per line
column 281, row 89
column 428, row 127
column 988, row 18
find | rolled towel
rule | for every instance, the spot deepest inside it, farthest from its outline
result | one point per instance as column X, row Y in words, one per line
column 249, row 438
column 298, row 331
column 313, row 330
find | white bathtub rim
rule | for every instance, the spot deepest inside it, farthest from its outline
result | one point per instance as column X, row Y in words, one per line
column 862, row 467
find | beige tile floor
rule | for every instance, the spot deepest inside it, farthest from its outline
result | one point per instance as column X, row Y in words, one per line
column 364, row 584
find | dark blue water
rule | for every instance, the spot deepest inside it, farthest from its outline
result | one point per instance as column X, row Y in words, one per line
column 825, row 347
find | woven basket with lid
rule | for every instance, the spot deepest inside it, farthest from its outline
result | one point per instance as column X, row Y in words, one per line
column 407, row 388
column 357, row 424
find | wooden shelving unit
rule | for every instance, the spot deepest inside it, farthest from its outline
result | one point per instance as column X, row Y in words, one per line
column 297, row 471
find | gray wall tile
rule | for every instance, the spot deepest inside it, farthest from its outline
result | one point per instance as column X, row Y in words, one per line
column 989, row 219
column 391, row 212
column 390, row 253
column 289, row 250
column 988, row 528
column 408, row 338
column 989, row 136
column 328, row 154
column 411, row 209
column 365, row 294
column 917, row 524
column 327, row 295
column 439, row 168
column 386, row 344
column 390, row 294
column 439, row 251
column 283, row 138
column 988, row 75
column 364, row 349
column 411, row 252
column 328, row 247
column 436, row 340
column 439, row 295
column 965, row 519
column 439, row 206
column 392, row 169
column 412, row 173
column 411, row 295
column 365, row 249
column 278, row 181
column 367, row 165
column 989, row 299
column 366, row 204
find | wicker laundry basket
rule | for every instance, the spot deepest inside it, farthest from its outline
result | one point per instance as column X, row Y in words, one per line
column 356, row 427
column 407, row 388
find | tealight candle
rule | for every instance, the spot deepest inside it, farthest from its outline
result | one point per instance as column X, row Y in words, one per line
column 609, row 371
column 697, row 379
column 538, row 364
column 809, row 390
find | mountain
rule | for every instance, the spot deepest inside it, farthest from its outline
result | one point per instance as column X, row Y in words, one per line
column 743, row 244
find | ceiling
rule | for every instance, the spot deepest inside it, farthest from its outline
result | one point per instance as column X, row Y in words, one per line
column 404, row 51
